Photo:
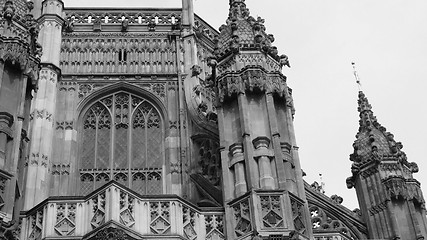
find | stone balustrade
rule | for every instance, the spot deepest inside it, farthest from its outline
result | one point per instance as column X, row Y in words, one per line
column 116, row 211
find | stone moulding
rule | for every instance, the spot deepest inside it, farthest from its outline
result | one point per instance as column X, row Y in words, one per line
column 17, row 53
column 251, row 79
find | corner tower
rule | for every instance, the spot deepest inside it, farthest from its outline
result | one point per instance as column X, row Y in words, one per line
column 262, row 179
column 389, row 197
column 44, row 103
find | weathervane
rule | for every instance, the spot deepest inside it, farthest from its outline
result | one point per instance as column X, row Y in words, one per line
column 359, row 85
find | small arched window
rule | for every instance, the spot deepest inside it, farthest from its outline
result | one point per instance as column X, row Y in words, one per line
column 121, row 138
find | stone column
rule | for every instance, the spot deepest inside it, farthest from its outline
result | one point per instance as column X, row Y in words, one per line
column 263, row 155
column 6, row 121
column 238, row 165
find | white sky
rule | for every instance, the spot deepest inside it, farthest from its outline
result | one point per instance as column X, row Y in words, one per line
column 388, row 41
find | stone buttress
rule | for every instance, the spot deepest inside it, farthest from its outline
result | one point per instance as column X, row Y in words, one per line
column 44, row 104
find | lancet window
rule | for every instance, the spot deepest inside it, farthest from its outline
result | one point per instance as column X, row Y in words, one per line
column 122, row 139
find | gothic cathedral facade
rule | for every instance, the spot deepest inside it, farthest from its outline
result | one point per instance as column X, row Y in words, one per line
column 150, row 124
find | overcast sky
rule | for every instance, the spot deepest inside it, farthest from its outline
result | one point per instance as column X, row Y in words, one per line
column 388, row 41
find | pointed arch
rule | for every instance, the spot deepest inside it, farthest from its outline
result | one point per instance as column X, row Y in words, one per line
column 121, row 136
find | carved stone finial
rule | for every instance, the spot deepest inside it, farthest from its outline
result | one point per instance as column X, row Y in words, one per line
column 69, row 26
column 350, row 182
column 30, row 5
column 196, row 70
column 284, row 61
column 8, row 10
column 337, row 199
column 125, row 25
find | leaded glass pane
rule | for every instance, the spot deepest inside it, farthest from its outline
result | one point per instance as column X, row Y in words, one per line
column 138, row 148
column 102, row 161
column 154, row 183
column 101, row 179
column 121, row 148
column 139, row 183
column 88, row 139
column 86, row 184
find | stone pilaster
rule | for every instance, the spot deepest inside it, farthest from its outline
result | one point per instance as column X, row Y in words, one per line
column 38, row 174
column 44, row 105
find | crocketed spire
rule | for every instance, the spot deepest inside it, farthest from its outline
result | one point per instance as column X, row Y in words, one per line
column 373, row 142
column 243, row 32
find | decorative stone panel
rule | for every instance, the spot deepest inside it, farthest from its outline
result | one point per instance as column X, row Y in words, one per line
column 214, row 227
column 242, row 217
column 189, row 222
column 65, row 219
column 160, row 217
column 272, row 212
column 127, row 209
column 98, row 205
column 36, row 226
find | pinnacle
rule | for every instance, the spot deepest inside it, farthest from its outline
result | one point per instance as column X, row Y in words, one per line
column 372, row 138
column 367, row 118
column 244, row 32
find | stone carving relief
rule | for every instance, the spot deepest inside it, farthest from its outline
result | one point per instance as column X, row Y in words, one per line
column 209, row 162
column 298, row 216
column 160, row 217
column 189, row 222
column 111, row 233
column 139, row 54
column 214, row 227
column 272, row 213
column 36, row 226
column 65, row 219
column 242, row 217
column 126, row 209
column 98, row 210
column 323, row 222
column 3, row 182
column 251, row 79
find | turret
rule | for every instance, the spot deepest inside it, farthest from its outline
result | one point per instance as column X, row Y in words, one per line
column 262, row 178
column 390, row 198
column 37, row 182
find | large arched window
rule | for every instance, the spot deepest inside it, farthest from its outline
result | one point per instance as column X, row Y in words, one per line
column 121, row 138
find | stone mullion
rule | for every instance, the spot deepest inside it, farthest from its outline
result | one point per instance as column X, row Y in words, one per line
column 130, row 129
column 96, row 140
column 112, row 136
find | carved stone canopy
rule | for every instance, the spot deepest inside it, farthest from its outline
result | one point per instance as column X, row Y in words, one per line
column 243, row 31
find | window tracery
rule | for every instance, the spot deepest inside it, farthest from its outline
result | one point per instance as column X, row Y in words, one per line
column 122, row 139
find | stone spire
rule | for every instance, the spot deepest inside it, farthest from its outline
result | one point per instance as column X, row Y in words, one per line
column 372, row 140
column 244, row 32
